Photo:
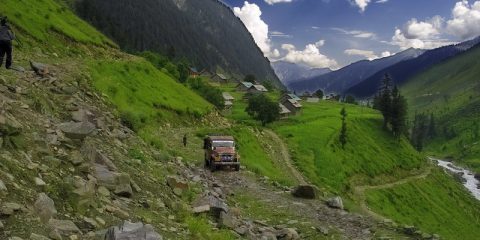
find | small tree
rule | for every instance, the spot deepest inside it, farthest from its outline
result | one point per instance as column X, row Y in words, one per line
column 350, row 99
column 250, row 78
column 432, row 128
column 385, row 100
column 419, row 131
column 343, row 131
column 319, row 93
column 183, row 70
column 398, row 113
column 263, row 109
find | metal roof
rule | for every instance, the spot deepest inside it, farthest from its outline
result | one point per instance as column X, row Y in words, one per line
column 260, row 88
column 227, row 96
column 283, row 109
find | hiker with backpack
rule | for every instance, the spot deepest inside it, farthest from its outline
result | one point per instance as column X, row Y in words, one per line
column 6, row 38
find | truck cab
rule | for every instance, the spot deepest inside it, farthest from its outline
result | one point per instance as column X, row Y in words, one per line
column 221, row 151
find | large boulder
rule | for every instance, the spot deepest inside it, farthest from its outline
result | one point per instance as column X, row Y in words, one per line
column 132, row 231
column 477, row 176
column 45, row 207
column 335, row 202
column 288, row 234
column 304, row 191
column 63, row 227
column 227, row 220
column 9, row 209
column 9, row 126
column 210, row 204
column 39, row 68
column 77, row 130
column 123, row 187
column 177, row 184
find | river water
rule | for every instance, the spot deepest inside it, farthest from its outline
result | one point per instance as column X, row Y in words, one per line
column 471, row 182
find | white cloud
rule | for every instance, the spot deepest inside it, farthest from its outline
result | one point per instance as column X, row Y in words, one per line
column 362, row 4
column 381, row 1
column 250, row 14
column 434, row 32
column 423, row 30
column 356, row 33
column 310, row 56
column 465, row 22
column 370, row 55
column 271, row 2
column 404, row 42
column 279, row 34
column 386, row 54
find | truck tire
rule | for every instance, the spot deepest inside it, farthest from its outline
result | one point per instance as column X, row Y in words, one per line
column 213, row 167
column 237, row 168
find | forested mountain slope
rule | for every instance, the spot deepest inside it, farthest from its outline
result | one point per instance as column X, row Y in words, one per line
column 451, row 92
column 344, row 78
column 403, row 71
column 206, row 32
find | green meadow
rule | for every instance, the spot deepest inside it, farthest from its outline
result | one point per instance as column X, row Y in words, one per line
column 435, row 205
column 371, row 155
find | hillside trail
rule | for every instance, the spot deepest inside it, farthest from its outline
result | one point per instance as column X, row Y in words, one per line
column 359, row 191
column 314, row 216
column 285, row 156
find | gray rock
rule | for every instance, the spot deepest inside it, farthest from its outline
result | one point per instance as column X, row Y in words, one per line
column 39, row 182
column 335, row 202
column 45, row 207
column 132, row 231
column 34, row 236
column 9, row 209
column 3, row 188
column 1, row 226
column 82, row 115
column 288, row 234
column 304, row 191
column 63, row 227
column 39, row 68
column 176, row 182
column 9, row 126
column 105, row 177
column 77, row 130
column 216, row 205
column 226, row 220
column 123, row 187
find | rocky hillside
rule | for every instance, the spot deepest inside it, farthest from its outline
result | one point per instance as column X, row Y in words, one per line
column 206, row 32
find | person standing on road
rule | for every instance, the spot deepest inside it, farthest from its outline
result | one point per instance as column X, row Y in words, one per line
column 6, row 38
column 185, row 140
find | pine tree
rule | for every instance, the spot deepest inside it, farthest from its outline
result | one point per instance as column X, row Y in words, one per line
column 398, row 117
column 343, row 131
column 432, row 128
column 419, row 131
column 385, row 101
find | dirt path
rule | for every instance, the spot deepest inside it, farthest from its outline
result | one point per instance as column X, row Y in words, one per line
column 286, row 159
column 359, row 191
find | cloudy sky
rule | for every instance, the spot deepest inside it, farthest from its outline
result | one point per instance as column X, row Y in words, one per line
column 335, row 33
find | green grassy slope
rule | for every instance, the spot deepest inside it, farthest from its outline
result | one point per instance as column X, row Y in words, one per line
column 40, row 18
column 451, row 91
column 435, row 205
column 371, row 155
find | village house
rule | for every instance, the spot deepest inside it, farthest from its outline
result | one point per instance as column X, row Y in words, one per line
column 257, row 88
column 284, row 112
column 193, row 72
column 220, row 78
column 206, row 73
column 228, row 99
column 244, row 86
column 292, row 105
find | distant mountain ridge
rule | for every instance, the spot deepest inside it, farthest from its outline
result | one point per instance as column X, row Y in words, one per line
column 206, row 32
column 405, row 70
column 290, row 72
column 344, row 78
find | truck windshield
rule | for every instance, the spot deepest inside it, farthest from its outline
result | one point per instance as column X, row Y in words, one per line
column 223, row 144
